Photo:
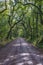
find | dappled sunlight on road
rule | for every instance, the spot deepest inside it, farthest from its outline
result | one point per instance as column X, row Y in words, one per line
column 39, row 64
column 22, row 58
column 25, row 58
column 27, row 62
column 23, row 44
column 30, row 62
column 6, row 60
column 20, row 63
column 22, row 54
column 16, row 45
column 1, row 63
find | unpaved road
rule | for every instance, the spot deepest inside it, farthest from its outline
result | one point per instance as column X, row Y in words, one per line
column 19, row 52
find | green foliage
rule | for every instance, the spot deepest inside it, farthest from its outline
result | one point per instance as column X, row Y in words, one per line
column 40, row 44
column 22, row 19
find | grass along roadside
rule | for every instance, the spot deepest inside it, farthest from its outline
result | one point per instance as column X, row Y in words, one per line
column 4, row 42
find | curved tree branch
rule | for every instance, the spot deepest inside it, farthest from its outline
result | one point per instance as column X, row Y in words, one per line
column 35, row 6
column 31, row 4
column 5, row 8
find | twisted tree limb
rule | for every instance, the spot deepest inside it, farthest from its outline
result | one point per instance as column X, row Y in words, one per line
column 5, row 7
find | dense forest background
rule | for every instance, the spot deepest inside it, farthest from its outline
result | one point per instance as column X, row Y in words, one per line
column 21, row 18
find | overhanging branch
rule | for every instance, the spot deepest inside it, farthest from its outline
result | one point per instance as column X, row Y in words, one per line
column 31, row 4
column 5, row 8
column 35, row 6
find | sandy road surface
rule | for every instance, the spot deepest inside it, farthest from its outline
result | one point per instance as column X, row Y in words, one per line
column 19, row 52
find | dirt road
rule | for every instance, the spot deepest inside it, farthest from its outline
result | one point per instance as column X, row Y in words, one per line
column 19, row 52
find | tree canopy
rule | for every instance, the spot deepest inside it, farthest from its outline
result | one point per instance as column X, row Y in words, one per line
column 21, row 18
